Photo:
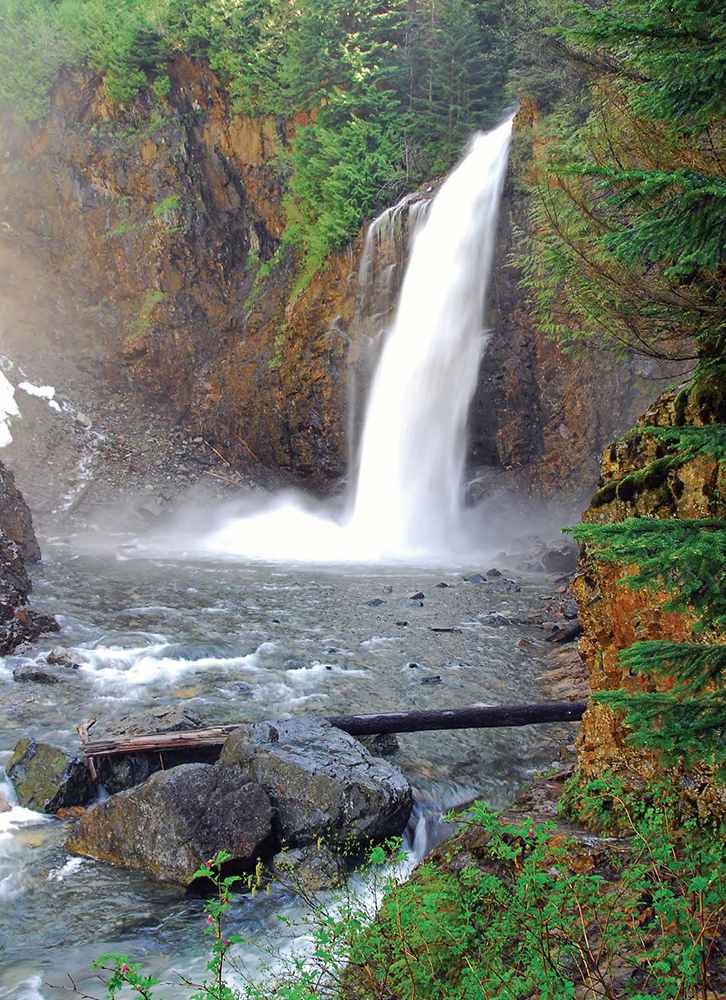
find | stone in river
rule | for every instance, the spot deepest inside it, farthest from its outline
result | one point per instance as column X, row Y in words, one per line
column 375, row 603
column 60, row 657
column 418, row 596
column 313, row 867
column 475, row 578
column 322, row 782
column 47, row 778
column 177, row 819
column 126, row 770
column 32, row 673
column 493, row 572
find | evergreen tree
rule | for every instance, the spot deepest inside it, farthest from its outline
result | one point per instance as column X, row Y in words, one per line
column 630, row 206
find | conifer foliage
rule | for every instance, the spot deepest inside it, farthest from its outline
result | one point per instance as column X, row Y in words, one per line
column 685, row 723
column 630, row 204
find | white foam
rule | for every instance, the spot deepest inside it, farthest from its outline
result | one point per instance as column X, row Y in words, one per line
column 69, row 868
column 144, row 665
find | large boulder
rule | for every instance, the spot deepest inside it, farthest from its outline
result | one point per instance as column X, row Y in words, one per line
column 47, row 778
column 120, row 772
column 322, row 781
column 15, row 518
column 18, row 545
column 176, row 820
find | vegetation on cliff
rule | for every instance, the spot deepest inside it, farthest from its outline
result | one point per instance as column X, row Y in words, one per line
column 385, row 92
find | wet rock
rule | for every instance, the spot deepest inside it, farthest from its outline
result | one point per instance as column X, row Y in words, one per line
column 380, row 744
column 59, row 656
column 402, row 624
column 493, row 573
column 565, row 633
column 418, row 596
column 33, row 673
column 322, row 782
column 442, row 585
column 562, row 559
column 16, row 522
column 435, row 679
column 159, row 719
column 18, row 623
column 295, row 663
column 122, row 772
column 475, row 578
column 375, row 603
column 4, row 804
column 47, row 778
column 176, row 820
column 312, row 868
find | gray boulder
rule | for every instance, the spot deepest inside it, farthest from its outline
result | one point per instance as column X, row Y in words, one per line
column 311, row 868
column 322, row 782
column 178, row 819
column 47, row 778
column 121, row 772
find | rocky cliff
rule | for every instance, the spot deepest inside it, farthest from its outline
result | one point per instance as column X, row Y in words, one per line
column 169, row 215
column 639, row 478
column 18, row 544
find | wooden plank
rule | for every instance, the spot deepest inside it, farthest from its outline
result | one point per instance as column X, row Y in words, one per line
column 471, row 717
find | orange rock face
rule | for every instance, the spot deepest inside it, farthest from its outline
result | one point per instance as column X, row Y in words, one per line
column 613, row 617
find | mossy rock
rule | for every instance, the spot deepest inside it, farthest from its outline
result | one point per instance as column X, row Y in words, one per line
column 47, row 778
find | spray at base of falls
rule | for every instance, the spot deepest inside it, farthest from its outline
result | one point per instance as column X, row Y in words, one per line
column 408, row 498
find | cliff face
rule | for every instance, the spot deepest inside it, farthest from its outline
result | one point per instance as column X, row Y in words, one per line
column 169, row 216
column 614, row 617
column 539, row 411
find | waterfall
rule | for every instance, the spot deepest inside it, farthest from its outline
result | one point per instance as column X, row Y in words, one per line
column 408, row 501
column 413, row 446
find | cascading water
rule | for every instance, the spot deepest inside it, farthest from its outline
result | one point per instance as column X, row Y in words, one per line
column 413, row 448
column 408, row 497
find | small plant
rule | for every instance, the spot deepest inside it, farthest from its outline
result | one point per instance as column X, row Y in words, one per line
column 167, row 213
column 142, row 323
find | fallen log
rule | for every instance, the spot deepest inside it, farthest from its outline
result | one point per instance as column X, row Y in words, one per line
column 471, row 717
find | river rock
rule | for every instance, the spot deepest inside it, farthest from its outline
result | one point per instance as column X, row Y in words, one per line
column 47, row 778
column 322, row 782
column 59, row 656
column 176, row 820
column 34, row 673
column 560, row 559
column 312, row 868
column 126, row 771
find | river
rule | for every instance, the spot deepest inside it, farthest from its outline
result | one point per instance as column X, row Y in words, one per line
column 247, row 641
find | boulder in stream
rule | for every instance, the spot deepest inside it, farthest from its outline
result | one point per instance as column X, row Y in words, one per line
column 322, row 782
column 124, row 771
column 176, row 820
column 47, row 778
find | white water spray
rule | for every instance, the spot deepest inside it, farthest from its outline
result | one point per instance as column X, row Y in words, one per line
column 408, row 501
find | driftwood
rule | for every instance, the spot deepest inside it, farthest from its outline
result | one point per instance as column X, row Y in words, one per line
column 472, row 717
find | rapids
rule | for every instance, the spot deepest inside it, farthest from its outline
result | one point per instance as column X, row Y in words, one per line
column 234, row 641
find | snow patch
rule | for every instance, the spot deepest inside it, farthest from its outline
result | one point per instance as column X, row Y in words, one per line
column 46, row 392
column 8, row 409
